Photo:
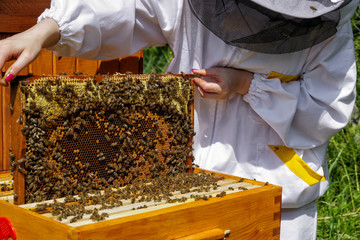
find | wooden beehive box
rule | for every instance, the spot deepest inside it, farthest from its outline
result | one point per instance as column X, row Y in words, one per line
column 17, row 16
column 251, row 214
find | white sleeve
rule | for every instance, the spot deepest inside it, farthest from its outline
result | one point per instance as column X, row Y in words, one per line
column 105, row 29
column 308, row 112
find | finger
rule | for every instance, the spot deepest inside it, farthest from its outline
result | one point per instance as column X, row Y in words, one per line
column 207, row 95
column 202, row 72
column 2, row 80
column 208, row 87
column 210, row 72
column 3, row 83
column 210, row 75
column 200, row 91
column 23, row 60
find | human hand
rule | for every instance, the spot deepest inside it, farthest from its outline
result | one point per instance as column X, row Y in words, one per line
column 25, row 47
column 222, row 83
column 20, row 48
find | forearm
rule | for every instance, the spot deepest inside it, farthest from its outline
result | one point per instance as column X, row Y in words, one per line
column 46, row 33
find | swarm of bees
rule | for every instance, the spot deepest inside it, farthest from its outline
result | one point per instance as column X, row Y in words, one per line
column 86, row 134
column 144, row 191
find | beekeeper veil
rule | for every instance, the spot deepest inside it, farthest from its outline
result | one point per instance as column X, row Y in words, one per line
column 270, row 26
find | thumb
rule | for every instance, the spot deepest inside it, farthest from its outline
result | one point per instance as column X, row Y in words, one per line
column 202, row 72
column 210, row 72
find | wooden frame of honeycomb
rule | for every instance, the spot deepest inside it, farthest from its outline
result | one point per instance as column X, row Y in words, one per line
column 72, row 134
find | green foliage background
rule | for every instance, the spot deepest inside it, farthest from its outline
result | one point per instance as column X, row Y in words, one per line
column 339, row 208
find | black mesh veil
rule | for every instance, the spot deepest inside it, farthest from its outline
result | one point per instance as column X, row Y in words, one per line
column 245, row 24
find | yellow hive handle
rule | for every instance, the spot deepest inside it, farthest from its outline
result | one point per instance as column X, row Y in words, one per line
column 213, row 234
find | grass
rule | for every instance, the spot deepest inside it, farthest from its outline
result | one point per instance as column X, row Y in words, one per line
column 156, row 59
column 339, row 208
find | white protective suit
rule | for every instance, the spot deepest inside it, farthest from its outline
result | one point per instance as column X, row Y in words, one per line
column 287, row 116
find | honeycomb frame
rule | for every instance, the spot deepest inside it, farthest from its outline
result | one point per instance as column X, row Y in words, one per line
column 84, row 133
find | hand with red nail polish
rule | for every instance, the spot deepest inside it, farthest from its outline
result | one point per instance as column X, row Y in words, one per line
column 222, row 83
column 25, row 47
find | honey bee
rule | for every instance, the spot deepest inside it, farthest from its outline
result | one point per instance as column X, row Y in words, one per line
column 11, row 155
column 11, row 108
column 21, row 121
column 75, row 136
column 107, row 137
column 22, row 170
column 15, row 196
column 58, row 81
column 222, row 194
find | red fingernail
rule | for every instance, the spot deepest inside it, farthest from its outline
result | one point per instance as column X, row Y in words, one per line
column 9, row 77
column 194, row 69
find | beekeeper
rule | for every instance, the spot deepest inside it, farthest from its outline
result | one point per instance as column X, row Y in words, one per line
column 278, row 79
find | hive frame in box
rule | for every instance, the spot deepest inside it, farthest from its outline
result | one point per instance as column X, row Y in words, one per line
column 251, row 214
column 18, row 141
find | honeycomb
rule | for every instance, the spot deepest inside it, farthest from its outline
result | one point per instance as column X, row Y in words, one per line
column 86, row 133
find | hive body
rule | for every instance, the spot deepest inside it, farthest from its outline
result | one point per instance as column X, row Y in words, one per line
column 245, row 214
